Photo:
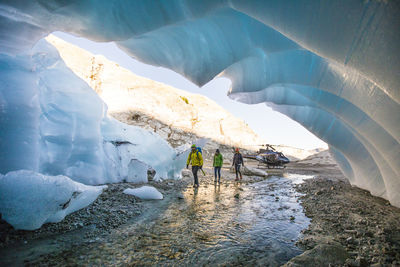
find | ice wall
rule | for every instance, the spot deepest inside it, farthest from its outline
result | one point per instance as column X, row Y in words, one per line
column 54, row 123
column 333, row 66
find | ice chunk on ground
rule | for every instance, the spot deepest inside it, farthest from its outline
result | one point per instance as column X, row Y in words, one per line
column 137, row 171
column 249, row 171
column 29, row 199
column 124, row 143
column 254, row 171
column 144, row 192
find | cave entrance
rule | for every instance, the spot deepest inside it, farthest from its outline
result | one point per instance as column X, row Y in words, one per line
column 272, row 127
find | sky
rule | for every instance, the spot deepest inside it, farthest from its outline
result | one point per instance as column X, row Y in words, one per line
column 273, row 126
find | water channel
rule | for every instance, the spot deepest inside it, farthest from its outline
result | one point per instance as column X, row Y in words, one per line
column 232, row 224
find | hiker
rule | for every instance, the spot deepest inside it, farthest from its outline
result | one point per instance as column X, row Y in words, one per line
column 217, row 164
column 237, row 161
column 197, row 163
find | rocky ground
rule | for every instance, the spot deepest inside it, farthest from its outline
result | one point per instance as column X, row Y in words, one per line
column 349, row 226
column 110, row 210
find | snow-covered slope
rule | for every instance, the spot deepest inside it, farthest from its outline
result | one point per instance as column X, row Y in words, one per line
column 333, row 66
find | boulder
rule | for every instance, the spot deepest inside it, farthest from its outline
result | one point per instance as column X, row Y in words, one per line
column 331, row 253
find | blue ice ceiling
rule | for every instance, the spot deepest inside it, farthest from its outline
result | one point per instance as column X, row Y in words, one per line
column 333, row 66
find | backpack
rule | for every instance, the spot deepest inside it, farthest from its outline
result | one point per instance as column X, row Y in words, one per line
column 198, row 149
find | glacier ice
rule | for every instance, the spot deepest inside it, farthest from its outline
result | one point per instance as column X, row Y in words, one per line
column 29, row 199
column 144, row 192
column 130, row 151
column 67, row 130
column 56, row 136
column 333, row 66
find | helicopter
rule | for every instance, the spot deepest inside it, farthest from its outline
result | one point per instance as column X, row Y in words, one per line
column 270, row 157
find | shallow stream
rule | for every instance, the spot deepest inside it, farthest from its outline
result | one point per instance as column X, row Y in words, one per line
column 235, row 223
column 228, row 224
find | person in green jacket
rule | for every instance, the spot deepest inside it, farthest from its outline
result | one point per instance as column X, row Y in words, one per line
column 217, row 164
column 197, row 163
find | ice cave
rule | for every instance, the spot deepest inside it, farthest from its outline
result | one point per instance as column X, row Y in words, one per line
column 332, row 66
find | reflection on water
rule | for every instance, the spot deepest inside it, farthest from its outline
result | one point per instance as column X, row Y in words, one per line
column 228, row 224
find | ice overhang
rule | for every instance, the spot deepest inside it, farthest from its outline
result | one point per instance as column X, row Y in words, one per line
column 333, row 66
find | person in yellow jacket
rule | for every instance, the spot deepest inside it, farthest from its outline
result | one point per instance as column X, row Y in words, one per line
column 197, row 163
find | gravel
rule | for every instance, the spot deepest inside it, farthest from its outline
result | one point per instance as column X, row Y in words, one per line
column 367, row 227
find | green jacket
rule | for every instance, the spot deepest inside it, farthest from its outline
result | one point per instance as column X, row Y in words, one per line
column 218, row 160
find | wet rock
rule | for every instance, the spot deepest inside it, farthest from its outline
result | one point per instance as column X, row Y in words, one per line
column 150, row 174
column 186, row 173
column 318, row 193
column 350, row 263
column 360, row 261
column 321, row 255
